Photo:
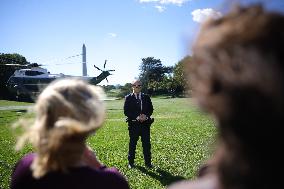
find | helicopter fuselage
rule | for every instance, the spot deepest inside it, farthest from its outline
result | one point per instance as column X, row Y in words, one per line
column 28, row 83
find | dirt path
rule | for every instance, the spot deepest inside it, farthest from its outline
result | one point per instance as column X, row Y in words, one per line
column 14, row 107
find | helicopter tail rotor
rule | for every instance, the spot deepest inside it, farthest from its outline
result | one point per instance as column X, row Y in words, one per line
column 105, row 73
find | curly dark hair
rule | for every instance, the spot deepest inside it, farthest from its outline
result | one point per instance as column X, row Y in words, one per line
column 237, row 76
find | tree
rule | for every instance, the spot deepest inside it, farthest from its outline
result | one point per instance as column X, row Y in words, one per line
column 152, row 72
column 12, row 59
column 179, row 77
column 8, row 64
column 108, row 87
column 174, row 83
column 124, row 90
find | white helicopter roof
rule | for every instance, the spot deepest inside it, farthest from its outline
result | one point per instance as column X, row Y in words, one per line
column 35, row 72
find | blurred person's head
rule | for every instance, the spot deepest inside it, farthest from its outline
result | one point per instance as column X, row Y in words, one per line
column 66, row 113
column 237, row 76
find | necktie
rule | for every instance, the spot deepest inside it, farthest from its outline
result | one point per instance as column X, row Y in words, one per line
column 139, row 102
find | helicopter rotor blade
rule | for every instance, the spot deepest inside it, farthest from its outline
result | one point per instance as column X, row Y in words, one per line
column 111, row 70
column 97, row 68
column 106, row 79
column 15, row 65
column 105, row 64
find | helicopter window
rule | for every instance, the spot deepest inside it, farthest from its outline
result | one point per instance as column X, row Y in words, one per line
column 33, row 73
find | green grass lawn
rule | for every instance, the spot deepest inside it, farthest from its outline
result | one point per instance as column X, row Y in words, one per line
column 181, row 138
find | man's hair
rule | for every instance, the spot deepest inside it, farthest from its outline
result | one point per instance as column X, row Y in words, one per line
column 135, row 81
column 67, row 111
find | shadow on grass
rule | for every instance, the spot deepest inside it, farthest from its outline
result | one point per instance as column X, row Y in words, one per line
column 20, row 111
column 163, row 176
column 172, row 97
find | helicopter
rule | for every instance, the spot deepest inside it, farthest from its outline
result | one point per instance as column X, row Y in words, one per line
column 26, row 83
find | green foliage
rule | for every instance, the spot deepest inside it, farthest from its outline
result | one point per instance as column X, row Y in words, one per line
column 108, row 87
column 152, row 72
column 14, row 62
column 181, row 138
column 160, row 80
column 179, row 80
column 12, row 59
column 124, row 90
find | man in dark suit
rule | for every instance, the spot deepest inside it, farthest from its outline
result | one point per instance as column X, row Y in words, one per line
column 138, row 108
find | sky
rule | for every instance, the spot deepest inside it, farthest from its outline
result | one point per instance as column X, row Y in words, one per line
column 52, row 32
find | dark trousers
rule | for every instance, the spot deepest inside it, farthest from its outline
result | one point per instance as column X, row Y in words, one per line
column 137, row 129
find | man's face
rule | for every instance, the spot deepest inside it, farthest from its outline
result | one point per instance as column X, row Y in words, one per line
column 136, row 86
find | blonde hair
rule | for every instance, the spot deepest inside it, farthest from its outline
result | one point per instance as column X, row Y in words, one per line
column 67, row 111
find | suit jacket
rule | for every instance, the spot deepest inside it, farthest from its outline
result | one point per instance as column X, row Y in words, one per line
column 132, row 108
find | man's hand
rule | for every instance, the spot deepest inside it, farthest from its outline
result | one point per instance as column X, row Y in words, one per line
column 142, row 118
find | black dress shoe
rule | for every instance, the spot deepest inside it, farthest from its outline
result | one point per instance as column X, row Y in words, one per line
column 131, row 166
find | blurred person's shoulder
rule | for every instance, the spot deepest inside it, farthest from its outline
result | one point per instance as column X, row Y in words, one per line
column 25, row 162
